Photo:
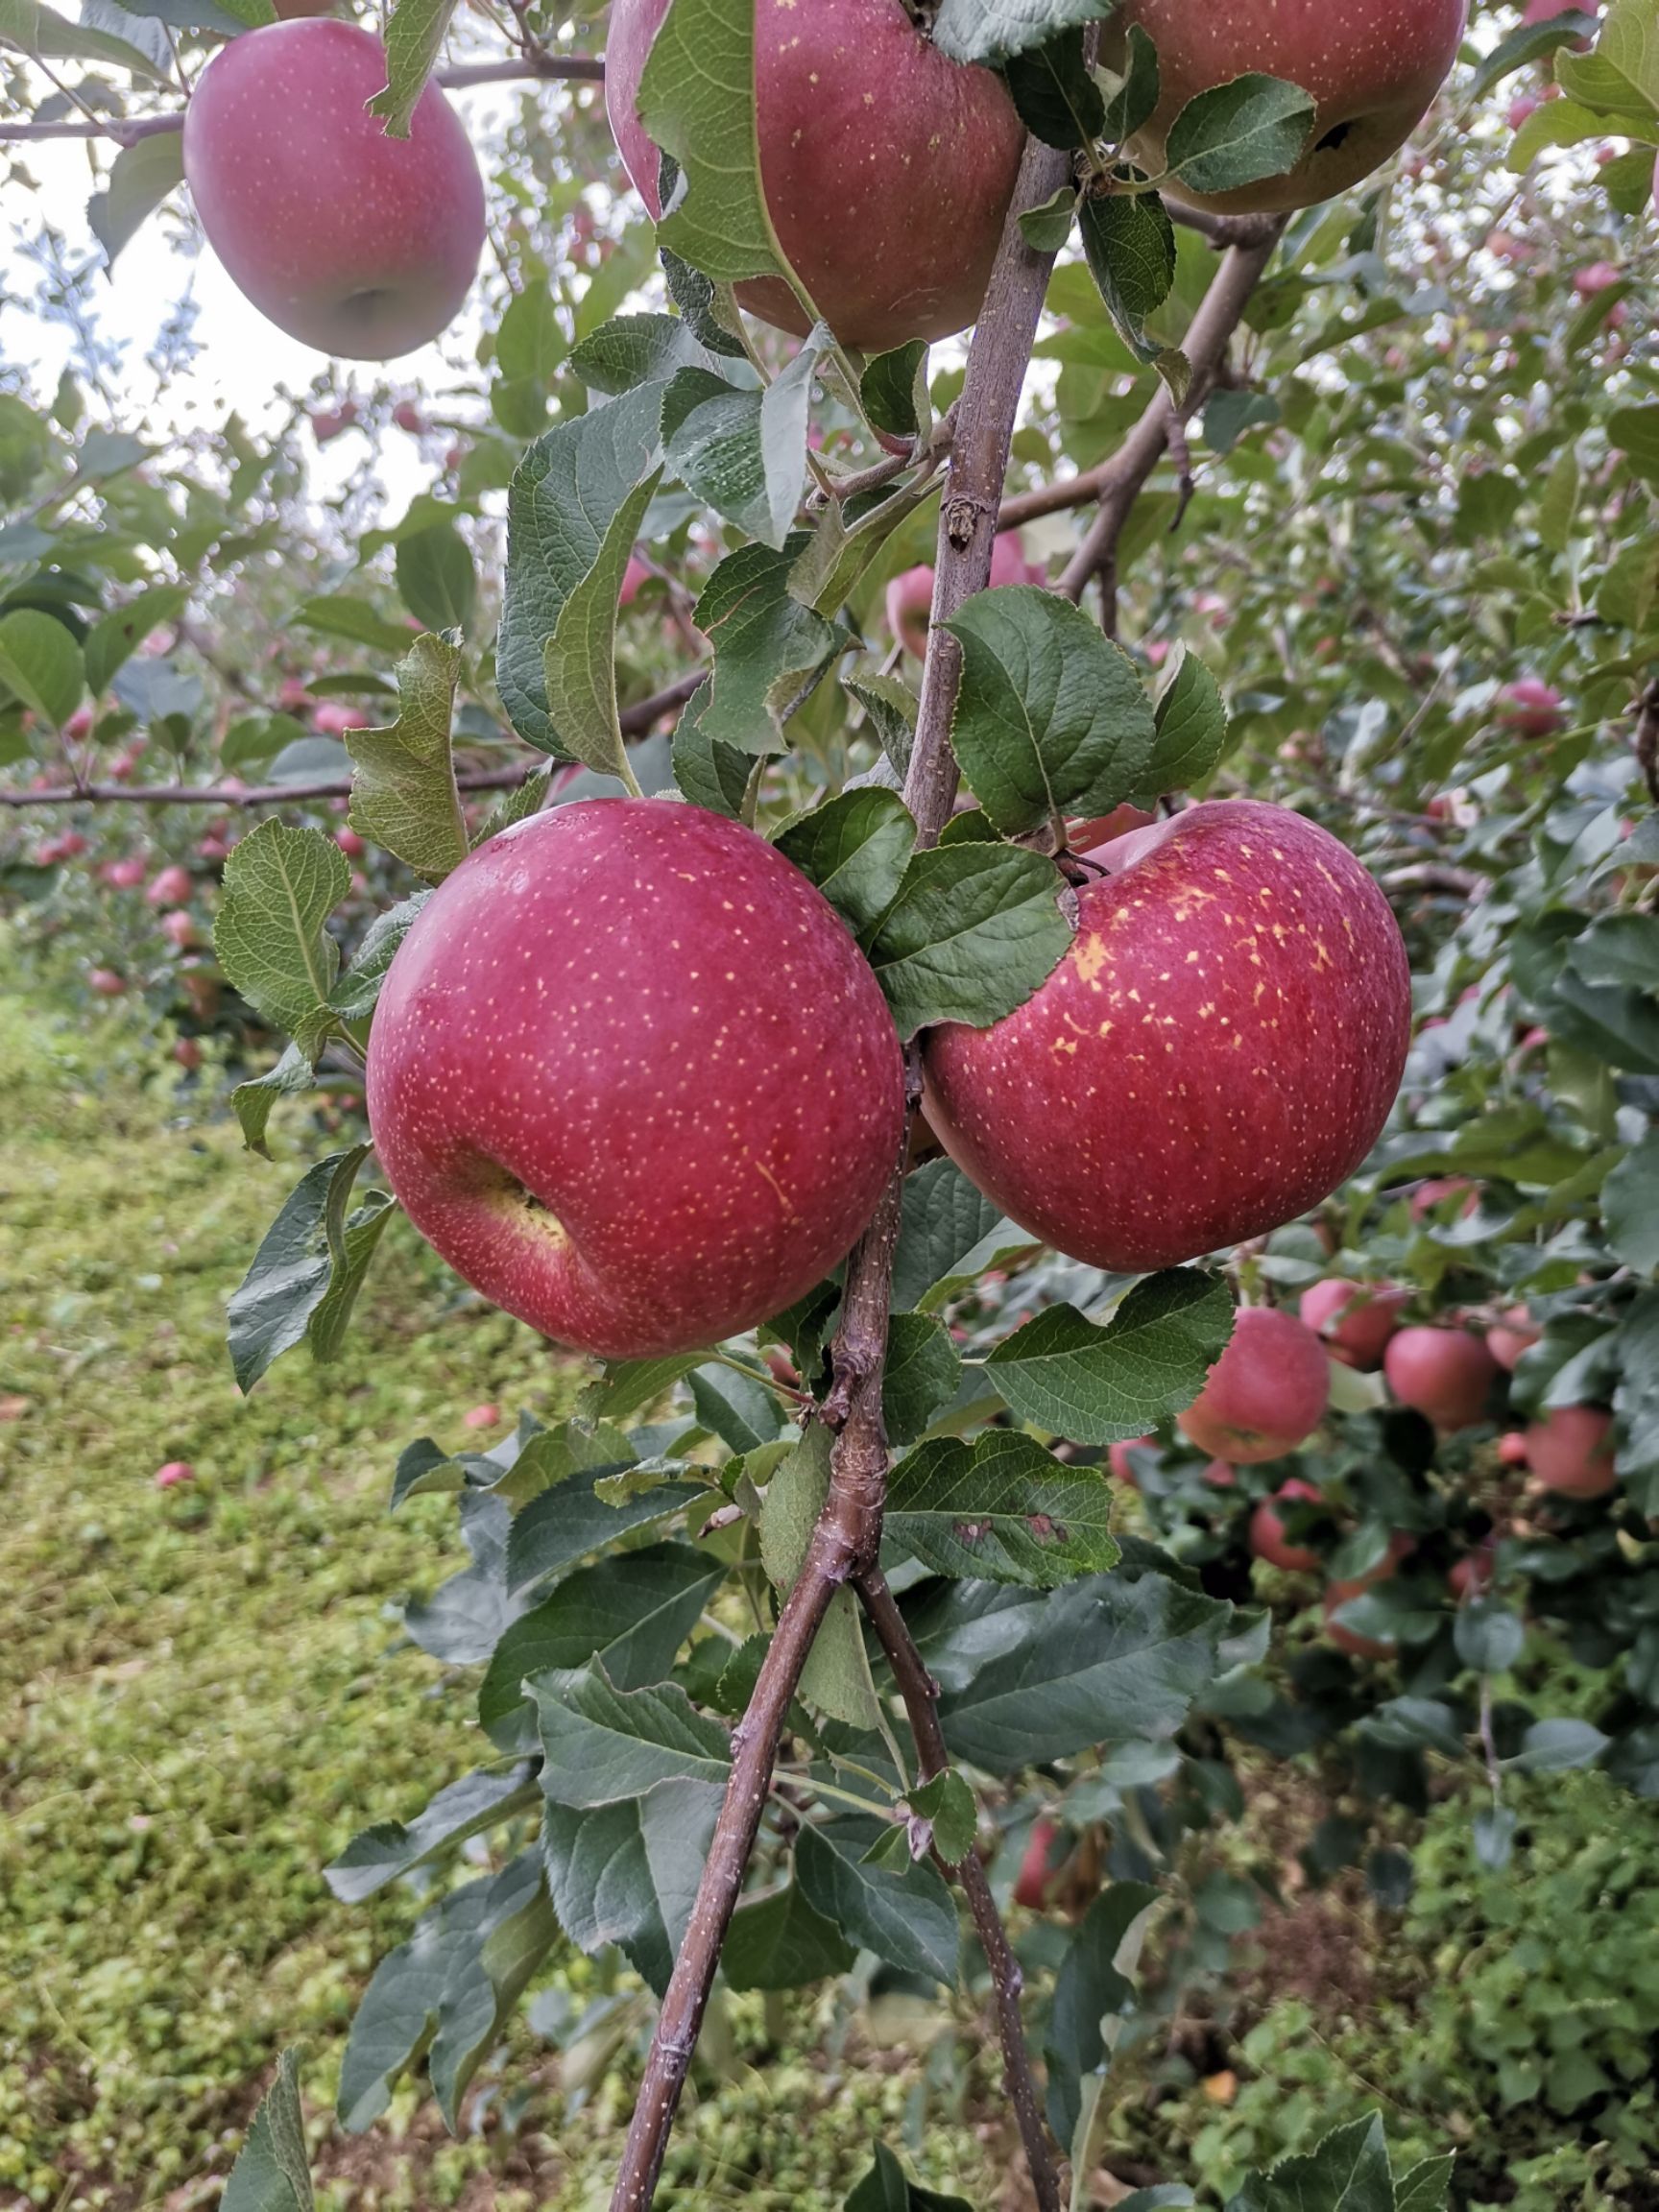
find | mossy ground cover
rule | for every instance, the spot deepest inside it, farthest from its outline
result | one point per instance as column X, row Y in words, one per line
column 203, row 1697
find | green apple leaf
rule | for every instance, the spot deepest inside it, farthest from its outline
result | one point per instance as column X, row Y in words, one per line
column 836, row 1678
column 305, row 1276
column 1129, row 244
column 769, row 649
column 945, row 1218
column 1348, row 2173
column 974, row 931
column 30, row 28
column 923, row 1375
column 631, row 1612
column 633, row 349
column 115, row 637
column 415, row 32
column 337, row 614
column 783, row 1943
column 993, row 30
column 564, row 495
column 1105, row 1386
column 855, row 847
column 478, row 1802
column 627, row 1874
column 569, row 1519
column 893, row 391
column 1058, row 98
column 357, row 993
column 579, row 661
column 436, row 579
column 904, row 1914
column 404, row 793
column 281, row 887
column 1000, row 1509
column 601, row 1746
column 1190, row 731
column 291, row 1077
column 139, row 179
column 710, row 772
column 1051, row 718
column 273, row 2172
column 1238, row 133
column 1097, row 1661
column 42, row 665
column 1093, row 1994
column 889, row 2188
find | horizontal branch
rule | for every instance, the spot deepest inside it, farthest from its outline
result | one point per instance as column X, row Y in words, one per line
column 127, row 130
column 636, row 721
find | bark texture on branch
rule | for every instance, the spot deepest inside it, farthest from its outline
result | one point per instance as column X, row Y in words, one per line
column 127, row 130
column 846, row 1540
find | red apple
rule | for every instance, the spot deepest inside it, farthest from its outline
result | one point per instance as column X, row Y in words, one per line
column 1091, row 838
column 1121, row 1463
column 188, row 1054
column 1218, row 1052
column 1373, row 73
column 1339, row 1594
column 1444, row 1373
column 355, row 243
column 179, row 927
column 334, row 718
column 175, row 1472
column 887, row 169
column 1031, row 1887
column 1355, row 1319
column 1471, row 1577
column 910, row 596
column 408, row 417
column 171, row 887
column 126, row 875
column 481, row 1417
column 350, row 843
column 329, row 422
column 1516, row 1333
column 633, row 1078
column 79, row 725
column 106, row 982
column 1219, row 1476
column 1435, row 1192
column 1531, row 709
column 1266, row 1393
column 1511, row 1447
column 1267, row 1538
column 1570, row 1454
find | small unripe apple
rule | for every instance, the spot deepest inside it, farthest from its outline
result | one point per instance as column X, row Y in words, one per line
column 1569, row 1451
column 353, row 242
column 1446, row 1374
column 1531, row 709
column 171, row 887
column 1355, row 1320
column 1267, row 1538
column 1372, row 75
column 631, row 1076
column 1218, row 1052
column 887, row 169
column 1516, row 1334
column 1265, row 1395
column 1031, row 1887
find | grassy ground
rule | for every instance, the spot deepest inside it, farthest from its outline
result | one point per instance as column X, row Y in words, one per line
column 195, row 1712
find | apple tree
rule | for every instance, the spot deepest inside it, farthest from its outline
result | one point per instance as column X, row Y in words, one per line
column 1086, row 1288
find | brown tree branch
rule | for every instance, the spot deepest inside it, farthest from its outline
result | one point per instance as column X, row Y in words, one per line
column 1123, row 479
column 921, row 1696
column 846, row 1540
column 127, row 130
column 635, row 721
column 1206, row 344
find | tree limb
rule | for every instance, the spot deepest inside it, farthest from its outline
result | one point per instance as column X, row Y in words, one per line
column 126, row 131
column 846, row 1540
column 635, row 721
column 921, row 1696
column 1118, row 482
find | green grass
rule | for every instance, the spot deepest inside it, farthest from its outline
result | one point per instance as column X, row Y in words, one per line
column 203, row 1697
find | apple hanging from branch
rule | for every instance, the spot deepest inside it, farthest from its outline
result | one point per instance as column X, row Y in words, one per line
column 355, row 243
column 1371, row 70
column 1218, row 1052
column 887, row 169
column 632, row 1077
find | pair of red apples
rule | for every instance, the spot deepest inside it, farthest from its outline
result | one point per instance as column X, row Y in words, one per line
column 888, row 170
column 633, row 1079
